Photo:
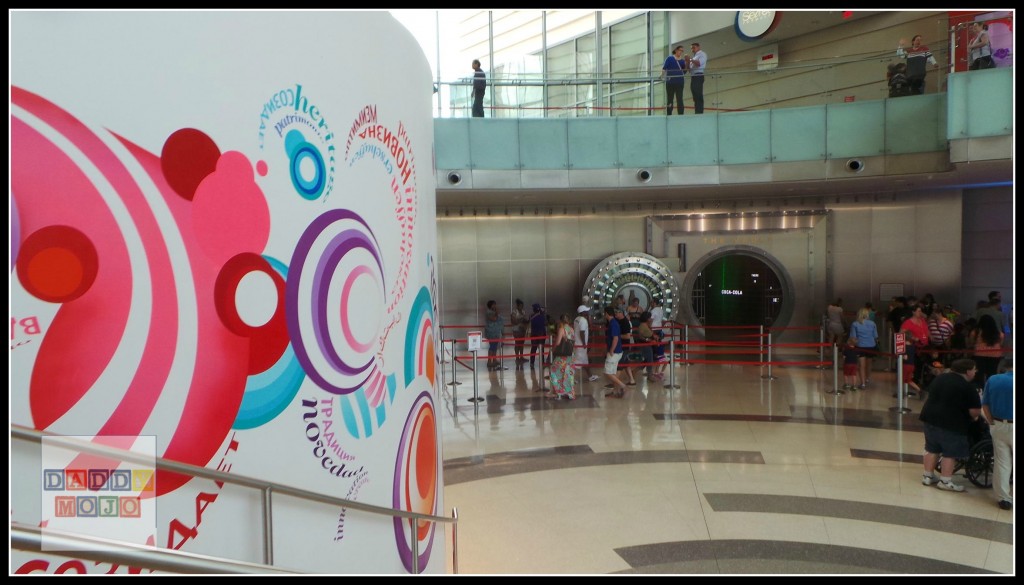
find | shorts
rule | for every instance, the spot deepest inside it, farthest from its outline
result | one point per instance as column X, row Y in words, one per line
column 849, row 369
column 580, row 357
column 867, row 352
column 611, row 364
column 908, row 372
column 946, row 442
column 493, row 347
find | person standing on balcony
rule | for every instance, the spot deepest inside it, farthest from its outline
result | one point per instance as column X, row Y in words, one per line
column 696, row 65
column 918, row 58
column 980, row 47
column 479, row 88
column 674, row 74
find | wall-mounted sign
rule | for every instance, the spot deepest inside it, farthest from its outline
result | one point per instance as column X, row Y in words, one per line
column 769, row 58
column 754, row 24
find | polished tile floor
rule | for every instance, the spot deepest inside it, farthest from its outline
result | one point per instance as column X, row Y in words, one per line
column 730, row 472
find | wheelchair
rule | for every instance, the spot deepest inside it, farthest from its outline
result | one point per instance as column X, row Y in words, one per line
column 978, row 466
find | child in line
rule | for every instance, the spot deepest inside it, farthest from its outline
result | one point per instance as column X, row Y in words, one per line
column 850, row 355
column 908, row 366
column 659, row 356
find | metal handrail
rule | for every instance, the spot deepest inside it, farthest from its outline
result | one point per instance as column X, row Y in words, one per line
column 61, row 543
column 267, row 488
column 539, row 79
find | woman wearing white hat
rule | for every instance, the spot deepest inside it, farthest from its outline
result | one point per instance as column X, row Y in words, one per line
column 582, row 327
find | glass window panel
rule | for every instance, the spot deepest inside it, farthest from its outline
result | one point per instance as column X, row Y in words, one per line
column 586, row 70
column 628, row 62
column 561, row 68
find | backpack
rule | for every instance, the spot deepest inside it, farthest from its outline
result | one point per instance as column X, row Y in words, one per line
column 898, row 85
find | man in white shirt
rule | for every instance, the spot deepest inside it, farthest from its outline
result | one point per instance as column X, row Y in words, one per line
column 582, row 335
column 696, row 65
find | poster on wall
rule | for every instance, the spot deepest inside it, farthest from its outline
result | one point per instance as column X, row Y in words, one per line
column 223, row 253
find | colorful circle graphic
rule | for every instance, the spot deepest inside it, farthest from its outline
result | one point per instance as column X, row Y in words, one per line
column 303, row 156
column 335, row 337
column 416, row 482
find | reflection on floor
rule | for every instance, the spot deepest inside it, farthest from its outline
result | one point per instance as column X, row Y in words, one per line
column 729, row 472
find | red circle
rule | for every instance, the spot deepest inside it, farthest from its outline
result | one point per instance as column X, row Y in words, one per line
column 57, row 264
column 188, row 156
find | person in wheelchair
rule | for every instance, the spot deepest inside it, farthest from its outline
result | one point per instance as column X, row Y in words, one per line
column 952, row 406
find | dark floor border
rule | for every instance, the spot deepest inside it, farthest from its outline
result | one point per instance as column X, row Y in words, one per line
column 958, row 524
column 772, row 556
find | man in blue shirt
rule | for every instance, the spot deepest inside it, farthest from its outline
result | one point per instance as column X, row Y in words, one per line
column 997, row 404
column 613, row 353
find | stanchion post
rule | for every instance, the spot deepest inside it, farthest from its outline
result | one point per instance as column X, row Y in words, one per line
column 686, row 345
column 769, row 376
column 899, row 385
column 672, row 362
column 455, row 380
column 821, row 346
column 835, row 372
column 476, row 387
column 760, row 340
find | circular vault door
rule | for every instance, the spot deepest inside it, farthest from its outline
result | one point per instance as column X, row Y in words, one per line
column 632, row 274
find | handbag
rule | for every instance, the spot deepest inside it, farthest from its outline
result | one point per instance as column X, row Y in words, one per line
column 564, row 347
column 986, row 62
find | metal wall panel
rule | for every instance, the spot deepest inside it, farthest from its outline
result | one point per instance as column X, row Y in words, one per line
column 460, row 301
column 529, row 238
column 456, row 239
column 630, row 233
column 595, row 242
column 564, row 288
column 493, row 239
column 563, row 237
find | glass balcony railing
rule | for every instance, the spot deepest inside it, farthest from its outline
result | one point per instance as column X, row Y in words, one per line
column 814, row 126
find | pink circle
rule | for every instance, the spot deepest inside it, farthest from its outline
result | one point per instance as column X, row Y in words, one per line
column 346, row 291
column 261, row 168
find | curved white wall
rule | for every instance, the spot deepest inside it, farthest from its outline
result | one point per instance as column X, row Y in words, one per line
column 223, row 239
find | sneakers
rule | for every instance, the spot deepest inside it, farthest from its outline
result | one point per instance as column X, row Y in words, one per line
column 929, row 480
column 1005, row 505
column 949, row 486
column 594, row 378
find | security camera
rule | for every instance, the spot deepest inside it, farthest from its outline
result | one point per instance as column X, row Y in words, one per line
column 643, row 175
column 855, row 165
column 454, row 178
